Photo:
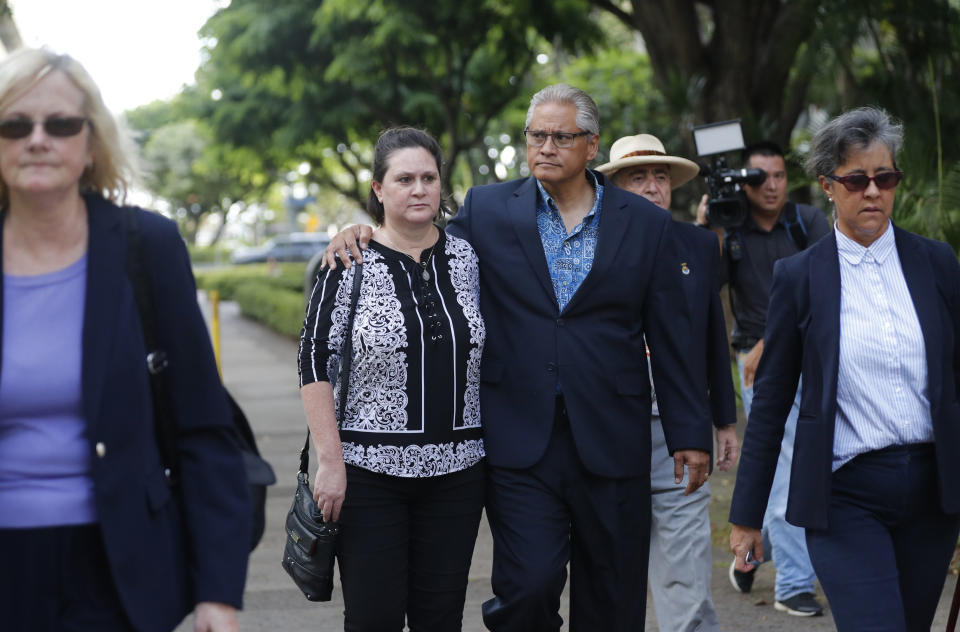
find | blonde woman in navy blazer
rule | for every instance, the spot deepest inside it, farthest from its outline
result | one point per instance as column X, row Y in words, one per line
column 871, row 316
column 93, row 535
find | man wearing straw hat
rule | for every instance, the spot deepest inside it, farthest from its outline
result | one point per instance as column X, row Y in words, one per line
column 680, row 548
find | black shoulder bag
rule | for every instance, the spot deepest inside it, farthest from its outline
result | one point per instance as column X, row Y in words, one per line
column 310, row 546
column 259, row 473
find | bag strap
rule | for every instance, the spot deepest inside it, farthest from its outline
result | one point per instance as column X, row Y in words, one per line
column 796, row 230
column 346, row 365
column 156, row 358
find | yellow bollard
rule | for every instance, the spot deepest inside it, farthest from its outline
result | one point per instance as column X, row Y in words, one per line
column 215, row 327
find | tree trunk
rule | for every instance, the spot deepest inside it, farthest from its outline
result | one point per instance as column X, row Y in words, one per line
column 727, row 59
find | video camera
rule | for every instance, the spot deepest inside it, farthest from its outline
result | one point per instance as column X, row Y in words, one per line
column 726, row 204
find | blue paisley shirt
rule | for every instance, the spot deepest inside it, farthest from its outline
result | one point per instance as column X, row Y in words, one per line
column 569, row 257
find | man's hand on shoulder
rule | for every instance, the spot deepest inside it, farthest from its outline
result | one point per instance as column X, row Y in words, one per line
column 354, row 238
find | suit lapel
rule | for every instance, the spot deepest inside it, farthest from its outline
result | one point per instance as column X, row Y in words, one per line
column 919, row 275
column 522, row 210
column 614, row 217
column 824, row 301
column 105, row 289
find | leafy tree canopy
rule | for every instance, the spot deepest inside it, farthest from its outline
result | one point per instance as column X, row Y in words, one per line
column 294, row 83
column 296, row 75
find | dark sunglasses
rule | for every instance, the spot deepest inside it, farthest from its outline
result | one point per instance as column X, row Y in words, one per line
column 58, row 126
column 858, row 182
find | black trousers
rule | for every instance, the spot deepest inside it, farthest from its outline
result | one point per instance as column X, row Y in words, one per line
column 558, row 512
column 56, row 580
column 883, row 558
column 405, row 547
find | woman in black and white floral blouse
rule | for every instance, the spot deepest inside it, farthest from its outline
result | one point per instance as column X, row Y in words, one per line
column 404, row 471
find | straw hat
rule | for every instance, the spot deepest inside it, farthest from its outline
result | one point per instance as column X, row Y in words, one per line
column 644, row 149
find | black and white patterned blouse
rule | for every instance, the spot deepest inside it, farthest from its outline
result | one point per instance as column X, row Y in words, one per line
column 412, row 408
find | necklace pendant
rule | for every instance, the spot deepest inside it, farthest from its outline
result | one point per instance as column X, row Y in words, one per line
column 425, row 275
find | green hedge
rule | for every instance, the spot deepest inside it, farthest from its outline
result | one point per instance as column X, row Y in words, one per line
column 226, row 280
column 278, row 308
column 276, row 301
column 208, row 254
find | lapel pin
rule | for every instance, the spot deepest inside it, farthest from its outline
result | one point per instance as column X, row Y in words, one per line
column 684, row 269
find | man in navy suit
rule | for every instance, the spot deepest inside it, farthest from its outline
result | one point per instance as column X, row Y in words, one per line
column 681, row 566
column 573, row 274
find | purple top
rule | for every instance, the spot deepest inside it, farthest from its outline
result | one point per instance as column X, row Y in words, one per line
column 44, row 452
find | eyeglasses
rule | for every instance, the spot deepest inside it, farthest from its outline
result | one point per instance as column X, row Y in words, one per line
column 560, row 139
column 857, row 182
column 57, row 126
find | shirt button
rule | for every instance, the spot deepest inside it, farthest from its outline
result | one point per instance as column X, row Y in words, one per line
column 101, row 449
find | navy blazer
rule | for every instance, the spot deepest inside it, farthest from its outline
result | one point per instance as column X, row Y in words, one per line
column 594, row 348
column 803, row 335
column 167, row 547
column 699, row 259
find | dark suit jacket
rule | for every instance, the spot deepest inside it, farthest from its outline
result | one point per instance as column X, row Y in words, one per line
column 699, row 259
column 168, row 548
column 594, row 348
column 803, row 335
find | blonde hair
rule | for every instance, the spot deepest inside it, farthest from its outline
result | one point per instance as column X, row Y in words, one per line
column 113, row 170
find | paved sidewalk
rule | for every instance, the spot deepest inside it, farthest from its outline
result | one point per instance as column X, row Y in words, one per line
column 259, row 367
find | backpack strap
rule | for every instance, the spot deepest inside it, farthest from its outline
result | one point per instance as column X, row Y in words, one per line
column 156, row 358
column 733, row 244
column 793, row 222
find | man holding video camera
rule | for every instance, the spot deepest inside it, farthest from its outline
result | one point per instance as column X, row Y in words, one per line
column 772, row 229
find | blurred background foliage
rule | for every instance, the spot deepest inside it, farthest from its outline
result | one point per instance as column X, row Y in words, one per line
column 293, row 93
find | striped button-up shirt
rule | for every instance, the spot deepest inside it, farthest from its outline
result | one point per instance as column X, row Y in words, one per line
column 882, row 383
column 569, row 256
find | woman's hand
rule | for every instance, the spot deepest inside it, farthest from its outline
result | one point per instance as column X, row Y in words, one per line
column 743, row 541
column 330, row 483
column 209, row 616
column 330, row 486
column 355, row 238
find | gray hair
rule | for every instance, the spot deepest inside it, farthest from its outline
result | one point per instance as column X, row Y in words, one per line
column 852, row 131
column 588, row 116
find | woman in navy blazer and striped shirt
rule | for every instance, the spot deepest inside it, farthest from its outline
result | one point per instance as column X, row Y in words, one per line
column 871, row 316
